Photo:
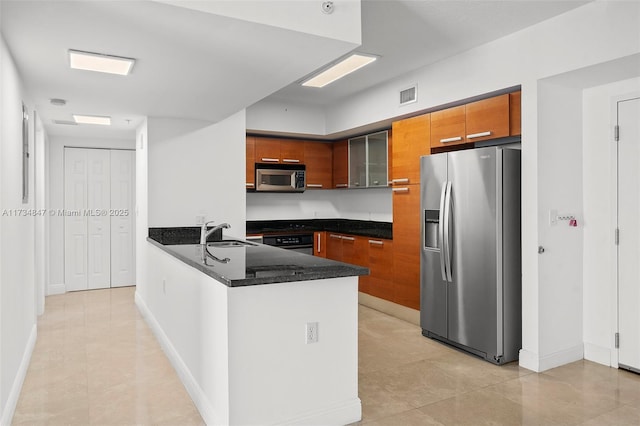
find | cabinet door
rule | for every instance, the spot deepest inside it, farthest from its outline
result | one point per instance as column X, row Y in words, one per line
column 250, row 168
column 318, row 157
column 291, row 152
column 448, row 127
column 320, row 244
column 514, row 113
column 488, row 118
column 341, row 164
column 377, row 159
column 267, row 150
column 406, row 245
column 411, row 140
column 358, row 162
column 334, row 246
column 380, row 279
column 354, row 251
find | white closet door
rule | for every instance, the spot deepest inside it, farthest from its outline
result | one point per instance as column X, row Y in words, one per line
column 99, row 224
column 629, row 225
column 122, row 223
column 75, row 221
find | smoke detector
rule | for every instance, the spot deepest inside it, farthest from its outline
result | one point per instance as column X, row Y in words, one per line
column 327, row 7
column 57, row 102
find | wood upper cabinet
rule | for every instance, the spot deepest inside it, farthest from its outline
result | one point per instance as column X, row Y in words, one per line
column 406, row 245
column 515, row 119
column 410, row 141
column 250, row 168
column 488, row 118
column 283, row 151
column 448, row 127
column 379, row 282
column 320, row 244
column 318, row 157
column 341, row 164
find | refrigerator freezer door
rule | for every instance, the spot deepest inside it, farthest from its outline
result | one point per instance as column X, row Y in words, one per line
column 433, row 287
column 472, row 298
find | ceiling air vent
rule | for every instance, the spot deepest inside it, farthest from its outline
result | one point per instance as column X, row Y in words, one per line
column 65, row 122
column 409, row 95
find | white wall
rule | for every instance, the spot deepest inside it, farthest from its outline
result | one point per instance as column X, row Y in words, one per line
column 600, row 297
column 17, row 232
column 197, row 168
column 273, row 116
column 596, row 33
column 55, row 161
column 360, row 204
column 142, row 209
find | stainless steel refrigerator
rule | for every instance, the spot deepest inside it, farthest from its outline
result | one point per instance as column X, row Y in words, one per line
column 470, row 255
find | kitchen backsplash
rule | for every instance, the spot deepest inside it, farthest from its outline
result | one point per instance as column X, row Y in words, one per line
column 360, row 204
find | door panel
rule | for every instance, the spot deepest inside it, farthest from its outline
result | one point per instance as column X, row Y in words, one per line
column 75, row 221
column 99, row 226
column 122, row 220
column 472, row 292
column 629, row 246
column 433, row 295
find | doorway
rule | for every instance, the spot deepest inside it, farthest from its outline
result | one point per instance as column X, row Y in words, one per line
column 98, row 218
column 628, row 232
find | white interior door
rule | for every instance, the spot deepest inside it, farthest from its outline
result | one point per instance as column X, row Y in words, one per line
column 629, row 229
column 122, row 223
column 99, row 225
column 75, row 222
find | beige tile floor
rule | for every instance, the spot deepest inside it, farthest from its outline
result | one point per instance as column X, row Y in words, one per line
column 96, row 362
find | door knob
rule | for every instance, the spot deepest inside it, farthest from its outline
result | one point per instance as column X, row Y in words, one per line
column 540, row 249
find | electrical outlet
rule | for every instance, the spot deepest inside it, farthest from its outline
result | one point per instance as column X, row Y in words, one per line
column 553, row 217
column 199, row 220
column 311, row 335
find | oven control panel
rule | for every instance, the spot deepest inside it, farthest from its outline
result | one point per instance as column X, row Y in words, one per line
column 289, row 240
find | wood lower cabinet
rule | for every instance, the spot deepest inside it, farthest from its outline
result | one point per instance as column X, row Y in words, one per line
column 334, row 246
column 341, row 164
column 411, row 140
column 406, row 245
column 320, row 244
column 379, row 282
column 318, row 157
column 251, row 163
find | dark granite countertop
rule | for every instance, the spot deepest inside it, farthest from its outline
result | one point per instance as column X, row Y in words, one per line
column 364, row 228
column 257, row 264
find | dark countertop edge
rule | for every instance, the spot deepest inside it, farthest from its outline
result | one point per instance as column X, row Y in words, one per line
column 345, row 271
column 365, row 228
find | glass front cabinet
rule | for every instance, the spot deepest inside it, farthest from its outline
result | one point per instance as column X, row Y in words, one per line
column 368, row 160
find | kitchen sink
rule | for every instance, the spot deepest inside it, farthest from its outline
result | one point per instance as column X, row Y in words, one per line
column 229, row 243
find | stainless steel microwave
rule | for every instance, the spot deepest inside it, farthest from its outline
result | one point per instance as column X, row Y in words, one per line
column 280, row 177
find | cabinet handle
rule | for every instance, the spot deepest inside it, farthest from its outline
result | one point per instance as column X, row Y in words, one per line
column 249, row 185
column 405, row 189
column 335, row 236
column 314, row 185
column 379, row 243
column 341, row 185
column 319, row 249
column 270, row 160
column 348, row 238
column 454, row 139
column 478, row 135
column 401, row 180
column 290, row 160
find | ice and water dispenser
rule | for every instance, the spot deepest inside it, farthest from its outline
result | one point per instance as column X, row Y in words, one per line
column 431, row 222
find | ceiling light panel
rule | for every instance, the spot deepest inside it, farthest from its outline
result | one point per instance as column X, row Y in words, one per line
column 92, row 119
column 101, row 63
column 339, row 70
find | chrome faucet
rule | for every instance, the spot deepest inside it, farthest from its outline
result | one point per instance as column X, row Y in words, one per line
column 204, row 233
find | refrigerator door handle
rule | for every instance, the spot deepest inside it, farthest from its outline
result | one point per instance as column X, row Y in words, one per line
column 441, row 230
column 447, row 232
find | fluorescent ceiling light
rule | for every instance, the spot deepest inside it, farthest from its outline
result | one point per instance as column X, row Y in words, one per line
column 339, row 70
column 100, row 63
column 92, row 119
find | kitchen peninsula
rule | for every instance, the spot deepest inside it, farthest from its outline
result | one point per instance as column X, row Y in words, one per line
column 239, row 323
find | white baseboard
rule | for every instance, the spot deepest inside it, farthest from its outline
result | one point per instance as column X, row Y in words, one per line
column 191, row 385
column 56, row 289
column 341, row 413
column 597, row 353
column 12, row 401
column 534, row 362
